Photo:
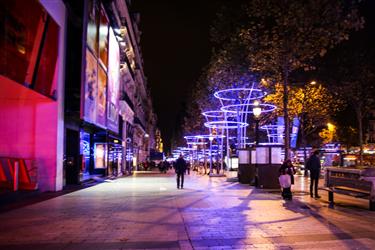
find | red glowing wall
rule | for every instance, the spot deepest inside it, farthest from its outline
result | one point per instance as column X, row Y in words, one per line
column 28, row 128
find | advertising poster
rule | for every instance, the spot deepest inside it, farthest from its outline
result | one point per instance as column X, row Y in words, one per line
column 113, row 83
column 100, row 155
column 294, row 134
column 91, row 92
column 101, row 98
column 92, row 25
column 103, row 38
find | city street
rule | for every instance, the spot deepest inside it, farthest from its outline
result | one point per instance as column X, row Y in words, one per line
column 147, row 211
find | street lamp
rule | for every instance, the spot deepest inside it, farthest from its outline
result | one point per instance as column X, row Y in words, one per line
column 257, row 111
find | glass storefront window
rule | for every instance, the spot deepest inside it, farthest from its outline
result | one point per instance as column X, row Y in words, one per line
column 29, row 45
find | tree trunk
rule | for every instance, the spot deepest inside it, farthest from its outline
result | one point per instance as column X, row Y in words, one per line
column 360, row 134
column 205, row 157
column 286, row 117
column 303, row 139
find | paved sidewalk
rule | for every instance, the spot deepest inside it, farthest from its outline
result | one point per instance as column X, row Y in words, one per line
column 146, row 211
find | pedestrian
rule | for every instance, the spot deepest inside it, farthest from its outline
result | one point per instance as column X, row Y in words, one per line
column 180, row 167
column 313, row 165
column 288, row 169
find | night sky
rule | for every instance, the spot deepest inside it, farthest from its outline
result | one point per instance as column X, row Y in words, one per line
column 175, row 45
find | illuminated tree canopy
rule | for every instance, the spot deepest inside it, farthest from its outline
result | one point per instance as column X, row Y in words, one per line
column 282, row 36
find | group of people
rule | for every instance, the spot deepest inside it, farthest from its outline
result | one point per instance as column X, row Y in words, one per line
column 287, row 169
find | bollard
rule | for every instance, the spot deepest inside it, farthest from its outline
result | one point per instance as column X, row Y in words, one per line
column 15, row 176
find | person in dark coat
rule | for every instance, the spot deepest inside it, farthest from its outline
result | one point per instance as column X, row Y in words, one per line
column 313, row 165
column 287, row 168
column 180, row 167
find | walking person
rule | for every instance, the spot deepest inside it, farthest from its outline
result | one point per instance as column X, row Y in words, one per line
column 180, row 167
column 287, row 168
column 313, row 165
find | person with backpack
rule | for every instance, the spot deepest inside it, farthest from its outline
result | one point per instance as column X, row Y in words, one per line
column 286, row 178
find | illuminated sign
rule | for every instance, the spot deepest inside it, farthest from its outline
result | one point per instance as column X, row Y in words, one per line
column 100, row 155
column 84, row 143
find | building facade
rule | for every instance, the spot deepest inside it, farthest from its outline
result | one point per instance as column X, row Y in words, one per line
column 74, row 101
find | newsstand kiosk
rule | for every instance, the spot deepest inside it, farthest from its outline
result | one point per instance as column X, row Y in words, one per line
column 260, row 166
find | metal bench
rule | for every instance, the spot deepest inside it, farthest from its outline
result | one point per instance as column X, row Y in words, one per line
column 350, row 182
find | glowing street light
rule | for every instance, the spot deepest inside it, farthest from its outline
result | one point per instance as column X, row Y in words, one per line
column 257, row 111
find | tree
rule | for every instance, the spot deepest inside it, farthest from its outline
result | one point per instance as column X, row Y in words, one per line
column 228, row 68
column 355, row 78
column 347, row 135
column 198, row 101
column 311, row 104
column 286, row 35
column 328, row 134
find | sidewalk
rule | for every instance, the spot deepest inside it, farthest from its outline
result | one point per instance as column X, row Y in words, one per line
column 146, row 211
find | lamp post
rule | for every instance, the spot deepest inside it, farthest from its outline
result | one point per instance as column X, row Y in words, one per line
column 147, row 141
column 257, row 111
column 211, row 138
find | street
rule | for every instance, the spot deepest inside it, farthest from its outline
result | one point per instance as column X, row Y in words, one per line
column 147, row 211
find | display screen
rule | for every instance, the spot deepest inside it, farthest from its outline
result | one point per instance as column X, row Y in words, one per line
column 113, row 83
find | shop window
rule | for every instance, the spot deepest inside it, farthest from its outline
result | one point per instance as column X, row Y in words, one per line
column 28, row 43
column 44, row 81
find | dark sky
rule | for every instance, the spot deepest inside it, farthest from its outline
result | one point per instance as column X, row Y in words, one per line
column 175, row 44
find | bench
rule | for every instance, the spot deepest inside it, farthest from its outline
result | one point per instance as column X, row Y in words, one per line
column 350, row 192
column 349, row 182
